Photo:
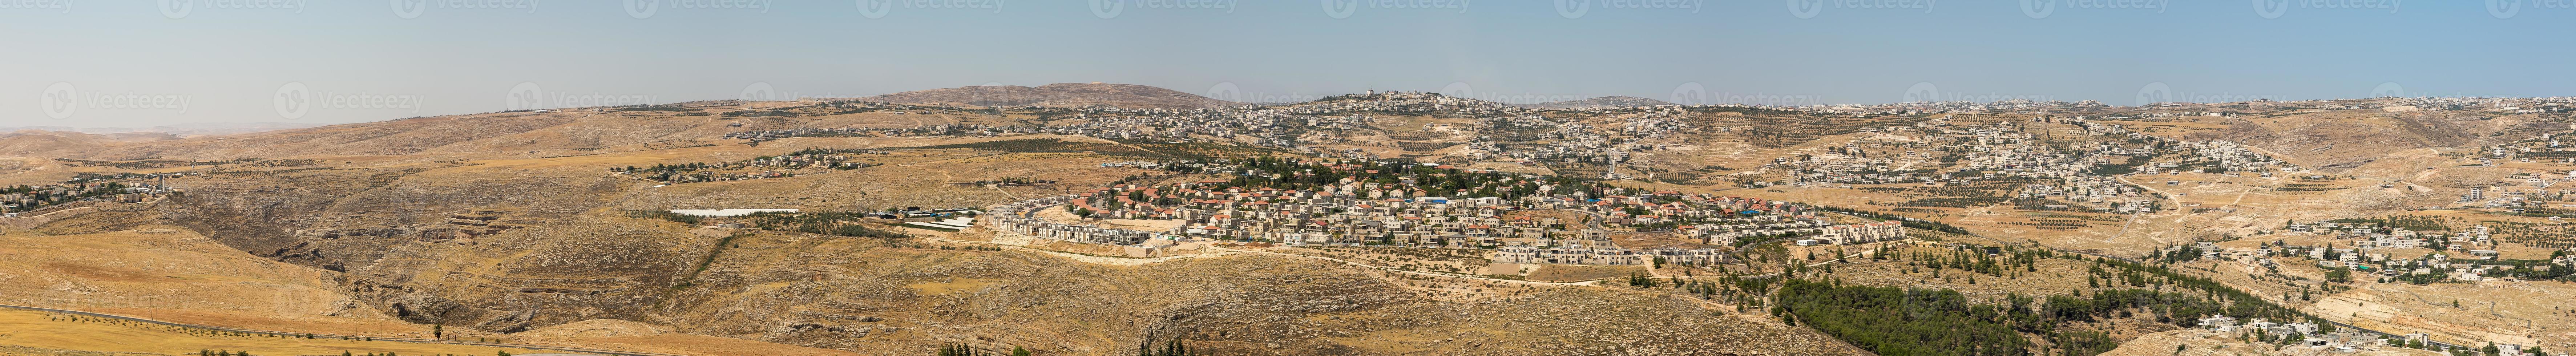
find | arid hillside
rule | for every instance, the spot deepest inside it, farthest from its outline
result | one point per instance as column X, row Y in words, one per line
column 508, row 245
column 554, row 225
column 2341, row 140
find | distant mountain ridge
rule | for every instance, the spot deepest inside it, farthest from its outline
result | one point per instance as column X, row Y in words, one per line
column 1598, row 102
column 188, row 129
column 1058, row 94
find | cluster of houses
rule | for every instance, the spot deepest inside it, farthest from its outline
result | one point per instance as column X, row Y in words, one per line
column 1406, row 102
column 1557, row 226
column 765, row 135
column 1298, row 126
column 1285, row 127
column 1571, row 255
column 2493, row 105
column 1576, row 143
column 1937, row 151
column 123, row 188
column 2344, row 341
column 1020, row 218
column 2369, row 247
column 788, row 165
column 2226, row 157
column 2527, row 191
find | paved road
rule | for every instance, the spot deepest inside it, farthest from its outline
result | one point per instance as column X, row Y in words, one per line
column 582, row 351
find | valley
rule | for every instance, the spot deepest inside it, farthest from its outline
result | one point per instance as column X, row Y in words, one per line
column 1092, row 220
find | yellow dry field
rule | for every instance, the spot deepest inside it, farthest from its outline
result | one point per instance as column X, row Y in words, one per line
column 2204, row 342
column 1441, row 260
column 2295, row 275
column 951, row 285
column 173, row 274
column 42, row 330
column 685, row 344
column 2505, row 312
column 176, row 275
column 1569, row 273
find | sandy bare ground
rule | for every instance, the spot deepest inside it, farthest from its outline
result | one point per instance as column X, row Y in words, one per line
column 2503, row 312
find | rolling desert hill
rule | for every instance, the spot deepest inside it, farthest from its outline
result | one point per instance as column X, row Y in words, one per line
column 2343, row 139
column 189, row 129
column 520, row 134
column 28, row 143
column 549, row 226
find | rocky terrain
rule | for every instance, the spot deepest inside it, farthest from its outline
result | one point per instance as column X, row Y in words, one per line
column 513, row 224
column 2342, row 140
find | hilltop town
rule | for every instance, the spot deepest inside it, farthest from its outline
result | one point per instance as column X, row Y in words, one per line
column 1380, row 222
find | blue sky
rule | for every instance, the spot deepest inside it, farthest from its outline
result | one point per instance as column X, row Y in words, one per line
column 91, row 63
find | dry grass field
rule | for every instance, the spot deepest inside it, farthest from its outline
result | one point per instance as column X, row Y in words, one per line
column 46, row 332
column 176, row 275
column 2509, row 312
column 1569, row 273
column 1440, row 260
column 366, row 239
column 2199, row 342
column 172, row 274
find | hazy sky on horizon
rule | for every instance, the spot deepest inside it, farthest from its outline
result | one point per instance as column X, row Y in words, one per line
column 89, row 63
